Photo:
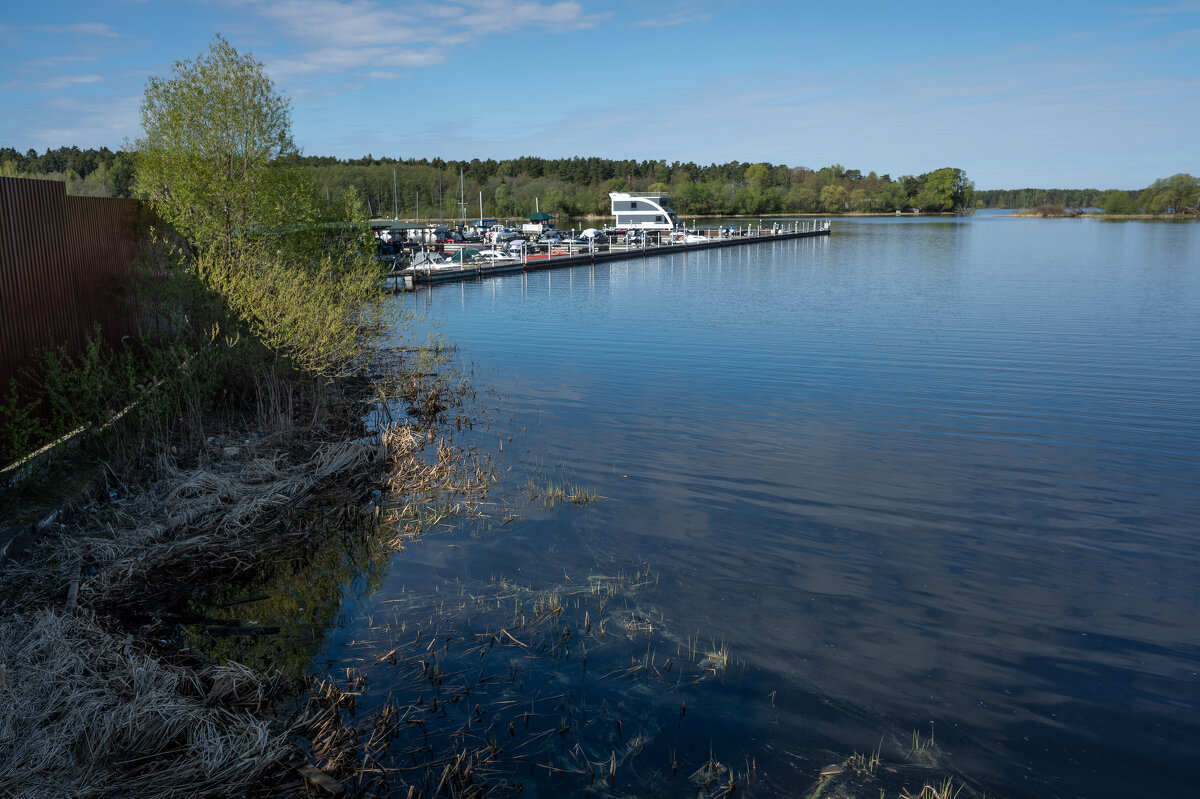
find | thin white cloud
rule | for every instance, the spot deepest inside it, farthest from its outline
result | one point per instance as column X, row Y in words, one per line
column 365, row 23
column 680, row 17
column 671, row 21
column 1186, row 7
column 52, row 61
column 1182, row 38
column 93, row 29
column 338, row 36
column 338, row 60
column 66, row 81
column 87, row 123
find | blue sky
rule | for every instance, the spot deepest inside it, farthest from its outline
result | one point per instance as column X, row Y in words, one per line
column 1049, row 94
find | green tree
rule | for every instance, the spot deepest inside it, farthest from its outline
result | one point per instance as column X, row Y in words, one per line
column 893, row 198
column 1118, row 202
column 801, row 199
column 211, row 155
column 834, row 198
column 1153, row 200
column 756, row 178
column 216, row 161
column 945, row 189
column 503, row 200
column 1180, row 191
column 120, row 176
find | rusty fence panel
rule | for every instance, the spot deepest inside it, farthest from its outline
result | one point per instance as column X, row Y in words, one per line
column 66, row 264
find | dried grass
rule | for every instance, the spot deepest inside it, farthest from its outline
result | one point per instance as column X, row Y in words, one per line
column 86, row 713
column 430, row 482
column 199, row 519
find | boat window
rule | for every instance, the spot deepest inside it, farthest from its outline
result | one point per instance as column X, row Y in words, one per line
column 633, row 205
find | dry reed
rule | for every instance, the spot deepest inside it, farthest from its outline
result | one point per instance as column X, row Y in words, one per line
column 213, row 519
column 88, row 713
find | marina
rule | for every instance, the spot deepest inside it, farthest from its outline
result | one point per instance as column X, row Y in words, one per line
column 645, row 225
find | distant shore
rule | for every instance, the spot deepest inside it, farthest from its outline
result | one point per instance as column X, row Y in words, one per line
column 1028, row 214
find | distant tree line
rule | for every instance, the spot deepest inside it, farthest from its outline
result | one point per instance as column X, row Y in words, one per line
column 1178, row 194
column 580, row 187
column 564, row 187
column 1032, row 198
column 87, row 173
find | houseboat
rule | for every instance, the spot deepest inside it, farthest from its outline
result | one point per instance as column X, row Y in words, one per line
column 637, row 210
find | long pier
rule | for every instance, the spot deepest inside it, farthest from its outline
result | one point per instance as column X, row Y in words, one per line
column 595, row 254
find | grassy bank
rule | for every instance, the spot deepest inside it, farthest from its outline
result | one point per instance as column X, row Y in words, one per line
column 103, row 688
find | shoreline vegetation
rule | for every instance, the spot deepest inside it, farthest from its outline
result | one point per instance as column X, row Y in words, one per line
column 110, row 679
column 426, row 189
column 1056, row 212
column 257, row 416
column 567, row 187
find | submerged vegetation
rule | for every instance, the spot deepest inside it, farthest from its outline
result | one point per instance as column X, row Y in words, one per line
column 552, row 493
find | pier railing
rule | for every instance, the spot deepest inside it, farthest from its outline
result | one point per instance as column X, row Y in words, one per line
column 632, row 244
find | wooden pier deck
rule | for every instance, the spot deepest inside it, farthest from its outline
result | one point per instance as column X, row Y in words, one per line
column 600, row 254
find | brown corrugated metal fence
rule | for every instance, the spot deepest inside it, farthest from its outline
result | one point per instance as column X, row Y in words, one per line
column 65, row 266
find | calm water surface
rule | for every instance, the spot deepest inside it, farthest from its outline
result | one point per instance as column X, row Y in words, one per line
column 920, row 475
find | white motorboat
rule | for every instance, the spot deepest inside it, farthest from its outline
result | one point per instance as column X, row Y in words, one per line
column 428, row 261
column 496, row 257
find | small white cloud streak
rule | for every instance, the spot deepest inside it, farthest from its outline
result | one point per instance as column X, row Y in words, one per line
column 339, row 36
column 1186, row 7
column 52, row 61
column 678, row 18
column 336, row 61
column 66, row 81
column 103, row 122
column 92, row 29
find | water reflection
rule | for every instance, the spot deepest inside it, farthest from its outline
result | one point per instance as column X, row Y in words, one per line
column 299, row 599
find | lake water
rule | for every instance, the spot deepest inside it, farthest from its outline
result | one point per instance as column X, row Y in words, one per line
column 932, row 476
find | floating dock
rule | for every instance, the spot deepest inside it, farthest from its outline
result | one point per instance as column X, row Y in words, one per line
column 586, row 254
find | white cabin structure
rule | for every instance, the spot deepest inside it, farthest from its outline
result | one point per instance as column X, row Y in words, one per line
column 637, row 210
